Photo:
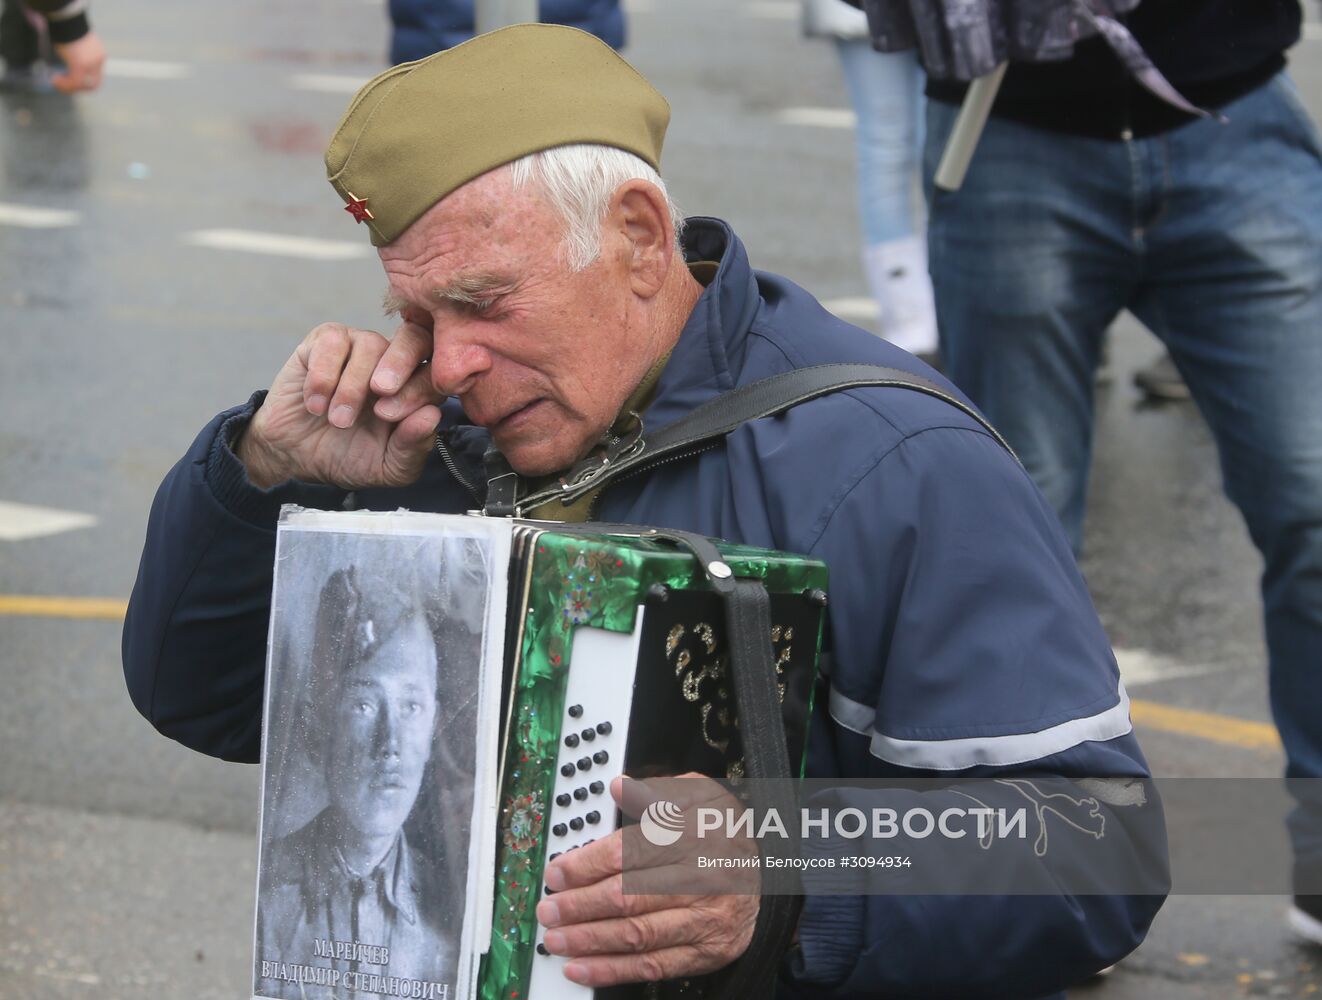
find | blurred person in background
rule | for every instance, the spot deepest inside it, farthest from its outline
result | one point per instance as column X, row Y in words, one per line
column 37, row 36
column 886, row 90
column 1161, row 380
column 1087, row 195
column 426, row 26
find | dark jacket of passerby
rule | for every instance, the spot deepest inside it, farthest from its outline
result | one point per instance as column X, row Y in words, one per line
column 426, row 26
column 68, row 39
column 66, row 19
column 19, row 41
column 1212, row 51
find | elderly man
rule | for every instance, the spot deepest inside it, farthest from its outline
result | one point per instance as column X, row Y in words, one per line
column 350, row 874
column 549, row 305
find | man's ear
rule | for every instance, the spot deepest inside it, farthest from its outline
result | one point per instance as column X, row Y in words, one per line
column 640, row 217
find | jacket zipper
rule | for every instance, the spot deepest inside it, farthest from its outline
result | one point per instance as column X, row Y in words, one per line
column 647, row 466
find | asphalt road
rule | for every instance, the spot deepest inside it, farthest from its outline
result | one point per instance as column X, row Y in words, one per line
column 165, row 243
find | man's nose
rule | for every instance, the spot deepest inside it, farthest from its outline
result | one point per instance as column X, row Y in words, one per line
column 457, row 359
column 386, row 737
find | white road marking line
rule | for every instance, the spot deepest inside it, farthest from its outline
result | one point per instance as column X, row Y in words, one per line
column 276, row 245
column 773, row 10
column 147, row 69
column 1312, row 31
column 860, row 307
column 35, row 218
column 20, row 521
column 818, row 117
column 83, row 978
column 327, row 83
column 1142, row 666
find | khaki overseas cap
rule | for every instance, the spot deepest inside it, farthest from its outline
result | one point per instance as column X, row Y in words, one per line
column 418, row 131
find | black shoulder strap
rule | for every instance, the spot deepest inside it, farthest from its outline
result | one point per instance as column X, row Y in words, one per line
column 705, row 425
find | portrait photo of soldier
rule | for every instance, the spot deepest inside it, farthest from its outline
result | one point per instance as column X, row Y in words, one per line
column 371, row 739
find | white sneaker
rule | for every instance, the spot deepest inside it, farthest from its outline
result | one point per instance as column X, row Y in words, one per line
column 1305, row 925
column 897, row 274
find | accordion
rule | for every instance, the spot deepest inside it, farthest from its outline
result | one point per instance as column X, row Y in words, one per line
column 618, row 661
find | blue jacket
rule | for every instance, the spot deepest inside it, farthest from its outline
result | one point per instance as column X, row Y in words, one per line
column 963, row 639
column 426, row 26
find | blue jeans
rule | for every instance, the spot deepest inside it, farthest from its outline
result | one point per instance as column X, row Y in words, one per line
column 1212, row 236
column 886, row 90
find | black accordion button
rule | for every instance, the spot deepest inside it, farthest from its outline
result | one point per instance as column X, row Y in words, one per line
column 568, row 770
column 541, row 949
column 596, row 788
column 600, row 757
column 604, row 728
column 584, row 763
column 580, row 794
column 559, row 829
column 554, row 856
column 575, row 711
column 563, row 799
column 576, row 824
column 571, row 740
column 593, row 817
column 589, row 735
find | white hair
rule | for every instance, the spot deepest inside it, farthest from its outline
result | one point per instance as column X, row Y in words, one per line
column 579, row 180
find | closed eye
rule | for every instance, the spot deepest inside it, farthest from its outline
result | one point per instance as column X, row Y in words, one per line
column 475, row 305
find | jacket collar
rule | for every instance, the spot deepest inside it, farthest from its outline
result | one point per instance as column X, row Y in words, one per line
column 710, row 351
column 327, row 875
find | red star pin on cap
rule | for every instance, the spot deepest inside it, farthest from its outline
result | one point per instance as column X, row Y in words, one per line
column 357, row 207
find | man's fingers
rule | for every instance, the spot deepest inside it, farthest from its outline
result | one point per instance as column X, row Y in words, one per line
column 670, row 944
column 323, row 353
column 688, row 791
column 410, row 443
column 607, row 900
column 415, row 432
column 587, row 865
column 418, row 391
column 668, row 963
column 625, row 935
column 351, row 393
column 339, row 361
column 409, row 349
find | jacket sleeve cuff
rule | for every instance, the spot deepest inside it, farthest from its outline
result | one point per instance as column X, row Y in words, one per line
column 228, row 479
column 830, row 939
column 69, row 29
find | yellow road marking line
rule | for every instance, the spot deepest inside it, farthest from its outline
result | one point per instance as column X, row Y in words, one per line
column 1205, row 725
column 63, row 607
